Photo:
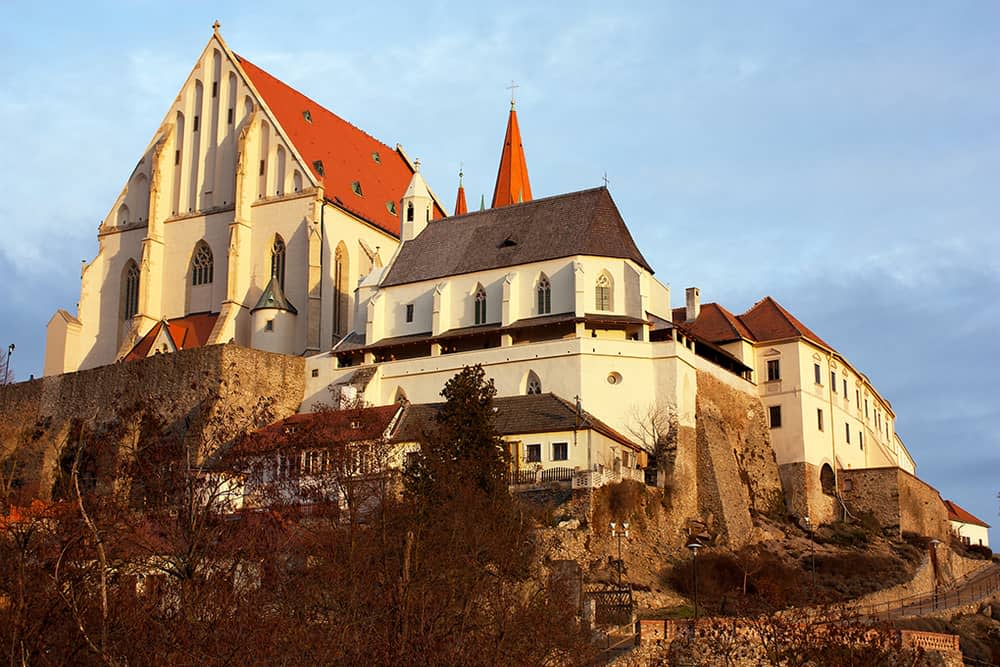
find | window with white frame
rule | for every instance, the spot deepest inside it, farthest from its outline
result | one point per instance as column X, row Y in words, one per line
column 560, row 451
column 544, row 294
column 533, row 453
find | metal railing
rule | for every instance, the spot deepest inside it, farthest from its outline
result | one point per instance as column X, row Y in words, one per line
column 973, row 587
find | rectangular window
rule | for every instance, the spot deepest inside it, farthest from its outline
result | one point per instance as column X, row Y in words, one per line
column 197, row 123
column 409, row 312
column 857, row 398
column 269, row 325
column 866, row 408
column 833, row 381
column 215, row 89
column 861, row 438
column 261, row 171
column 560, row 451
column 818, row 374
column 845, row 387
column 773, row 370
column 774, row 416
column 177, row 157
column 229, row 116
column 533, row 454
column 819, row 418
column 847, row 431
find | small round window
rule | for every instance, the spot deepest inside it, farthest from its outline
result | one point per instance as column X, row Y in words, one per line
column 614, row 378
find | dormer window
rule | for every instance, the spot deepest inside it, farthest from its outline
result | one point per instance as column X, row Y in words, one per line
column 308, row 116
column 508, row 242
column 376, row 158
column 391, row 207
column 356, row 188
column 318, row 166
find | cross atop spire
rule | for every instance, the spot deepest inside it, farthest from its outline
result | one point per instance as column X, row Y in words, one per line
column 512, row 87
column 512, row 185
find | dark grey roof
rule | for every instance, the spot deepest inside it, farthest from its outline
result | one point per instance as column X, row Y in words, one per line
column 515, row 415
column 578, row 223
column 274, row 297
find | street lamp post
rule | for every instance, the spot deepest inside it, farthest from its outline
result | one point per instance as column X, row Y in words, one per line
column 693, row 544
column 619, row 532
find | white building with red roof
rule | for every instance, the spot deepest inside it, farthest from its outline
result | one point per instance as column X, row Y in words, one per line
column 252, row 213
column 970, row 529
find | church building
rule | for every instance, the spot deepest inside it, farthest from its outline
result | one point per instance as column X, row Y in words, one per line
column 249, row 218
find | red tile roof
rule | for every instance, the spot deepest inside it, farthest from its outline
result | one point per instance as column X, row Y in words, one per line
column 957, row 513
column 348, row 154
column 319, row 429
column 186, row 333
column 767, row 320
column 714, row 324
column 512, row 185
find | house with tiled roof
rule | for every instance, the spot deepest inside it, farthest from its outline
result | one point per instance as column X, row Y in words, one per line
column 825, row 416
column 245, row 180
column 968, row 528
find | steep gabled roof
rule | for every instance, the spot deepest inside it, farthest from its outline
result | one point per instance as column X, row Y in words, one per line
column 961, row 515
column 512, row 186
column 185, row 333
column 767, row 320
column 347, row 154
column 714, row 324
column 578, row 223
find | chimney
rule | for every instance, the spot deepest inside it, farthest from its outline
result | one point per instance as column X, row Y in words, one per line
column 692, row 298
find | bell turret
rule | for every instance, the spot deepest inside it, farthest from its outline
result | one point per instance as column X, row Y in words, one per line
column 417, row 206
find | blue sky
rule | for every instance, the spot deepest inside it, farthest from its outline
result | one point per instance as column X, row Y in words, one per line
column 842, row 157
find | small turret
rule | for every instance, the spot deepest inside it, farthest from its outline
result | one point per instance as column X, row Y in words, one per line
column 417, row 206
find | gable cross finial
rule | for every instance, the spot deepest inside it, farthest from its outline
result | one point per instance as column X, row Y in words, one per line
column 461, row 165
column 512, row 87
column 605, row 179
column 216, row 26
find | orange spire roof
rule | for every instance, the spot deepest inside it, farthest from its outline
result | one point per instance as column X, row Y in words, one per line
column 512, row 178
column 460, row 207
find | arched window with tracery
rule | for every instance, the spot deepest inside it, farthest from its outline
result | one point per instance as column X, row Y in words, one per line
column 533, row 384
column 544, row 294
column 202, row 265
column 130, row 290
column 278, row 260
column 480, row 305
column 603, row 291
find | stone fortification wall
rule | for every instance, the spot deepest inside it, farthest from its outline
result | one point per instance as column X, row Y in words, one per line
column 897, row 499
column 804, row 494
column 737, row 471
column 194, row 387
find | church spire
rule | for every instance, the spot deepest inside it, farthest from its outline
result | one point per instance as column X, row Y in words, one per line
column 460, row 207
column 512, row 178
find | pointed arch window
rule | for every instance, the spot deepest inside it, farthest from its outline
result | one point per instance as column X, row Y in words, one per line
column 409, row 212
column 544, row 294
column 202, row 265
column 602, row 296
column 480, row 305
column 278, row 260
column 130, row 290
column 342, row 298
column 534, row 384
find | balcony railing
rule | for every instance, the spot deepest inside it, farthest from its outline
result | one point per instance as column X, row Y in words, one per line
column 571, row 477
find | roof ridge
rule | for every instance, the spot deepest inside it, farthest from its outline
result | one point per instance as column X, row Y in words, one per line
column 529, row 203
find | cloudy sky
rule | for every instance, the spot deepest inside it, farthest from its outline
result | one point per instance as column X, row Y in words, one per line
column 842, row 157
